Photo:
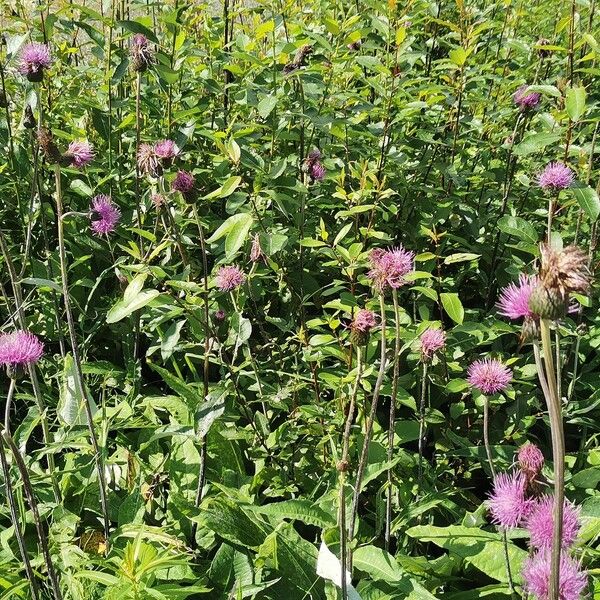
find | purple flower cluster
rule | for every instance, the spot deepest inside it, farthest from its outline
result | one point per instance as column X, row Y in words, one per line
column 531, row 460
column 20, row 349
column 540, row 522
column 152, row 157
column 556, row 176
column 229, row 278
column 184, row 183
column 432, row 340
column 508, row 505
column 489, row 376
column 390, row 267
column 105, row 215
column 34, row 58
column 80, row 153
column 514, row 298
column 314, row 167
column 364, row 320
column 526, row 100
column 536, row 575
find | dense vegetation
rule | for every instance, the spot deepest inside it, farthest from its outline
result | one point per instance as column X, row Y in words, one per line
column 314, row 284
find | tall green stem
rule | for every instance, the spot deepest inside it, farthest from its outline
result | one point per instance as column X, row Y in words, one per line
column 558, row 456
column 392, row 420
column 369, row 425
column 28, row 488
column 14, row 514
column 76, row 358
column 422, row 422
column 342, row 468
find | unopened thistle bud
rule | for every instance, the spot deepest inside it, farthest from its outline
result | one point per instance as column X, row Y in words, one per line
column 29, row 121
column 548, row 304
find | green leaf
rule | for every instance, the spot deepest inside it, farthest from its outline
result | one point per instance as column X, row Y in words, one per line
column 179, row 386
column 123, row 309
column 170, row 340
column 226, row 189
column 453, row 306
column 81, row 188
column 71, row 410
column 299, row 510
column 458, row 56
column 518, row 227
column 460, row 257
column 483, row 549
column 236, row 228
column 136, row 27
column 266, row 106
column 377, row 563
column 588, row 200
column 535, row 143
column 42, row 283
column 575, row 102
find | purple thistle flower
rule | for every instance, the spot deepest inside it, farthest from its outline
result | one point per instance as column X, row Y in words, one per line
column 184, row 182
column 531, row 460
column 540, row 523
column 105, row 215
column 317, row 171
column 80, row 153
column 525, row 99
column 147, row 160
column 489, row 375
column 514, row 298
column 34, row 58
column 507, row 503
column 166, row 150
column 536, row 576
column 364, row 320
column 219, row 314
column 230, row 277
column 389, row 267
column 556, row 176
column 20, row 349
column 432, row 340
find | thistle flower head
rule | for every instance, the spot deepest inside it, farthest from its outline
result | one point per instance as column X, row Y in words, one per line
column 166, row 150
column 507, row 504
column 564, row 271
column 514, row 298
column 184, row 183
column 142, row 55
column 489, row 375
column 147, row 160
column 313, row 166
column 158, row 200
column 229, row 277
column 390, row 267
column 80, row 153
column 432, row 340
column 536, row 576
column 531, row 460
column 364, row 320
column 48, row 146
column 34, row 58
column 525, row 99
column 105, row 215
column 20, row 349
column 540, row 523
column 219, row 314
column 556, row 176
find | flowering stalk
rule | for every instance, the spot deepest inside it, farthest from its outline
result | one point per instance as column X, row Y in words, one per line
column 20, row 314
column 202, row 470
column 76, row 358
column 342, row 468
column 558, row 455
column 392, row 420
column 28, row 488
column 369, row 425
column 16, row 526
column 422, row 421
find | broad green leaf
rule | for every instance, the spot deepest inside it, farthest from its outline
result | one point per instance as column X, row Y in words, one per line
column 186, row 391
column 575, row 102
column 377, row 563
column 535, row 142
column 300, row 510
column 226, row 189
column 123, row 309
column 453, row 306
column 483, row 549
column 81, row 188
column 136, row 27
column 518, row 227
column 71, row 409
column 238, row 234
column 37, row 281
column 170, row 339
column 587, row 198
column 460, row 257
column 458, row 56
column 266, row 106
